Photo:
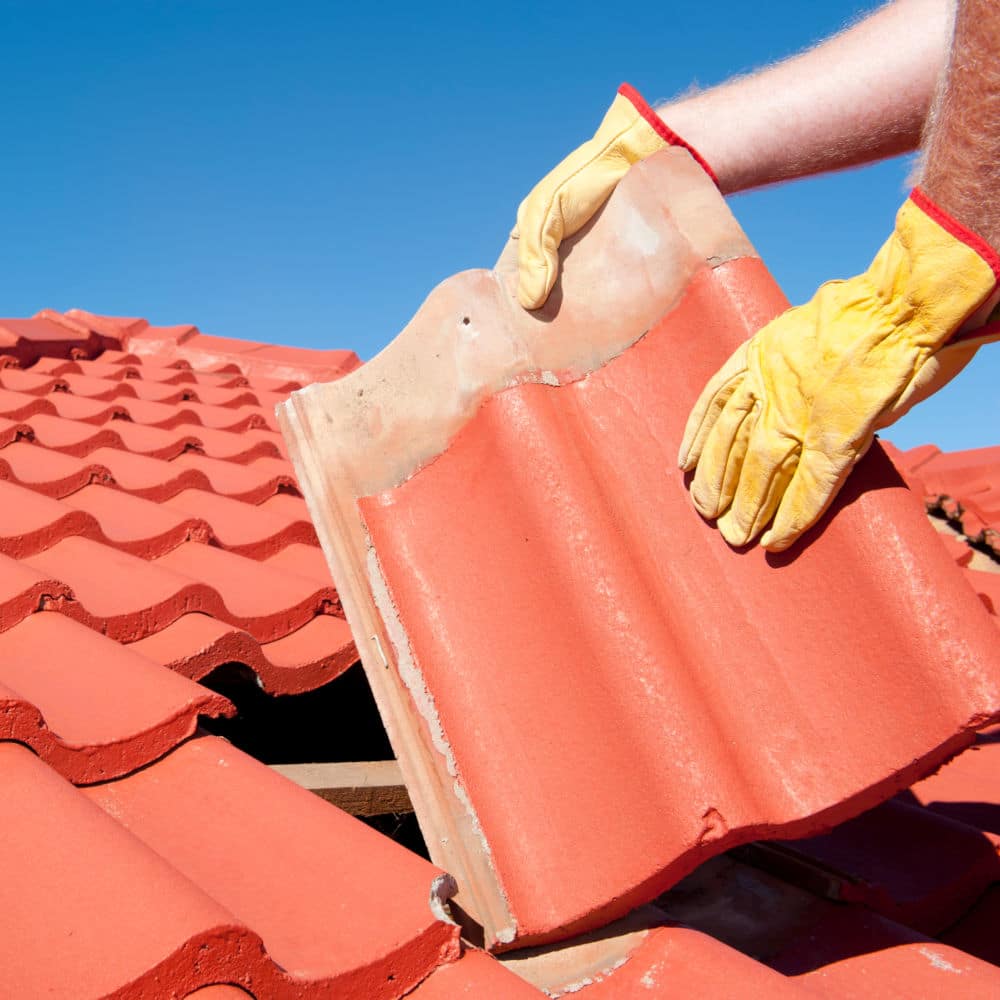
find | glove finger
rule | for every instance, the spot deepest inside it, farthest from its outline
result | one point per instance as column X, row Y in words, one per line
column 560, row 205
column 709, row 406
column 537, row 252
column 816, row 482
column 767, row 469
column 722, row 455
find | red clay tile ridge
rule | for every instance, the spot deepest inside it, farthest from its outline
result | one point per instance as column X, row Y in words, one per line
column 497, row 496
column 186, row 343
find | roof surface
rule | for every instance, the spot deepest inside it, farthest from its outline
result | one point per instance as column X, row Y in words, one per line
column 153, row 530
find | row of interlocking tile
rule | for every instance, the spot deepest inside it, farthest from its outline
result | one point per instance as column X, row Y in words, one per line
column 961, row 486
column 132, row 553
column 951, row 484
column 208, row 868
column 78, row 334
column 34, row 521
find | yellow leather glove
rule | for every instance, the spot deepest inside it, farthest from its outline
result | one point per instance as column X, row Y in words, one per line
column 778, row 429
column 567, row 198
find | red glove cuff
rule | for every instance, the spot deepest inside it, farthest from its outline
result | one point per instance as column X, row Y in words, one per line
column 973, row 241
column 949, row 223
column 667, row 134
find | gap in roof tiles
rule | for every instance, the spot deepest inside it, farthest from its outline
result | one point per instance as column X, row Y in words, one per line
column 336, row 722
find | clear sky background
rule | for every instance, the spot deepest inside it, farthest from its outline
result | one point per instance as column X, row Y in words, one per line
column 305, row 173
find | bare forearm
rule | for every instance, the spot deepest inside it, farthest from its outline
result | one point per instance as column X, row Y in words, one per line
column 858, row 97
column 962, row 165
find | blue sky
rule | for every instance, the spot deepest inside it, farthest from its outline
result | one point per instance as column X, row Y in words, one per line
column 305, row 173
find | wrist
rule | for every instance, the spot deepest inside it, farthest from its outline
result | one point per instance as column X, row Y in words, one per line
column 665, row 130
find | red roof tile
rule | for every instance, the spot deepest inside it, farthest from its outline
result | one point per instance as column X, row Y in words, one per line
column 512, row 540
column 968, row 788
column 964, row 486
column 320, row 922
column 143, row 712
column 853, row 955
column 100, row 490
column 133, row 552
column 255, row 531
column 186, row 344
column 475, row 976
column 304, row 659
column 50, row 472
column 192, row 874
column 908, row 863
column 128, row 598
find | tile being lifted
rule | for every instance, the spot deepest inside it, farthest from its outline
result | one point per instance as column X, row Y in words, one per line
column 589, row 692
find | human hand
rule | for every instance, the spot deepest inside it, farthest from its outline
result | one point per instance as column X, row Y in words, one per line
column 778, row 429
column 568, row 197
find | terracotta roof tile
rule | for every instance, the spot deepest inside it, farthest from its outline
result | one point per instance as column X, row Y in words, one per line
column 125, row 893
column 17, row 405
column 306, row 658
column 144, row 712
column 88, row 410
column 253, row 482
column 28, row 339
column 908, row 863
column 132, row 517
column 254, row 531
column 135, row 525
column 154, row 478
column 967, row 789
column 50, row 472
column 214, row 887
column 128, row 598
column 86, row 477
column 853, row 954
column 325, row 923
column 31, row 384
column 191, row 540
column 78, row 438
column 186, row 345
column 249, row 588
column 963, row 486
column 303, row 560
column 73, row 437
column 515, row 544
column 13, row 430
column 33, row 522
column 24, row 590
